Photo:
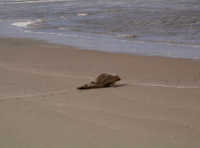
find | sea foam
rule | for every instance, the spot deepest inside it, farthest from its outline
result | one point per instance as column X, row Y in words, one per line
column 25, row 24
column 30, row 1
column 82, row 14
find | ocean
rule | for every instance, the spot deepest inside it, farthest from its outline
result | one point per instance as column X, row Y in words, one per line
column 143, row 27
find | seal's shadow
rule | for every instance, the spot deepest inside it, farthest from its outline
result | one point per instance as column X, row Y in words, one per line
column 106, row 87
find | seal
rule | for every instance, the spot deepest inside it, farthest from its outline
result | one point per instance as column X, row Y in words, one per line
column 102, row 80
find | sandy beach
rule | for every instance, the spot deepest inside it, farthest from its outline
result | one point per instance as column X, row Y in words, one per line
column 155, row 106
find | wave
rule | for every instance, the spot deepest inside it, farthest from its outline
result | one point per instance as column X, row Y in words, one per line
column 106, row 43
column 31, row 1
column 82, row 14
column 25, row 24
column 139, row 42
column 167, row 42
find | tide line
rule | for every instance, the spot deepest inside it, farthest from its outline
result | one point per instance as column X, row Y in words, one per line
column 164, row 85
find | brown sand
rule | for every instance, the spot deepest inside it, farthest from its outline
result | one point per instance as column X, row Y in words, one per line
column 157, row 105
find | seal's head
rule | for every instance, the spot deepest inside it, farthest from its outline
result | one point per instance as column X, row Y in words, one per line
column 117, row 78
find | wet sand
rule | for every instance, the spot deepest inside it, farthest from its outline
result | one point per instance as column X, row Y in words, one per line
column 155, row 106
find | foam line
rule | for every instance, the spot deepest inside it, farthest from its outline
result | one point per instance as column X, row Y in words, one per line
column 24, row 24
column 32, row 1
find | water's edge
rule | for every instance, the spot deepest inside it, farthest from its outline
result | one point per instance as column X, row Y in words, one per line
column 105, row 43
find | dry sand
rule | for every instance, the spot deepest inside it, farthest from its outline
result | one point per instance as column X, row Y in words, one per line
column 157, row 105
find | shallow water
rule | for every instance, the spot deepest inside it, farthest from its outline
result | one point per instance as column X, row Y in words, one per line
column 159, row 25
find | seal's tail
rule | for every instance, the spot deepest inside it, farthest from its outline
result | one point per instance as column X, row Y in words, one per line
column 86, row 86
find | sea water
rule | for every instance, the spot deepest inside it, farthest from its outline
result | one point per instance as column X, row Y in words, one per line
column 148, row 27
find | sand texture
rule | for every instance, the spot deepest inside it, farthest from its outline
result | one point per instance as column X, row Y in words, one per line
column 157, row 104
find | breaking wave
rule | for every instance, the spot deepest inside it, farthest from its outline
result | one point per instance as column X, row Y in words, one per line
column 30, row 1
column 25, row 24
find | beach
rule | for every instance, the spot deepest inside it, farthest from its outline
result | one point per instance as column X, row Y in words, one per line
column 156, row 104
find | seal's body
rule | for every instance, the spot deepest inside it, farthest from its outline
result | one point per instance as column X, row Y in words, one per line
column 103, row 80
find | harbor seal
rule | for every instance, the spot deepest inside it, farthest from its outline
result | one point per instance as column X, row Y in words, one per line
column 102, row 80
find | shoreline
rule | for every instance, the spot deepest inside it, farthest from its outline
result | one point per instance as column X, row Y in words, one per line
column 156, row 106
column 141, row 58
column 105, row 43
